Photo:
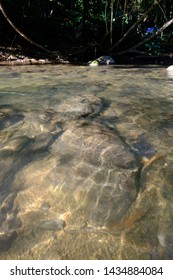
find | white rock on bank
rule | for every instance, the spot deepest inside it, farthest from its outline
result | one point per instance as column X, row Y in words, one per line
column 170, row 68
column 102, row 60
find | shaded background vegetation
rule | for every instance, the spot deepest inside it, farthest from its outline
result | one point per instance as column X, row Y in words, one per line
column 83, row 30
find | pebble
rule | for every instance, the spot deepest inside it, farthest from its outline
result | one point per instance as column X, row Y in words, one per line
column 54, row 225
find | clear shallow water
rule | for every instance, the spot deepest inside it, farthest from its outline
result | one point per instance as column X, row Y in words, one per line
column 43, row 214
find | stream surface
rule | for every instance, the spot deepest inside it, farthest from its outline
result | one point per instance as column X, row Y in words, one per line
column 72, row 181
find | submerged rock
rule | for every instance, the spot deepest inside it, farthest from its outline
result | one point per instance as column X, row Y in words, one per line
column 69, row 161
column 6, row 240
column 54, row 225
column 9, row 117
column 98, row 170
column 76, row 107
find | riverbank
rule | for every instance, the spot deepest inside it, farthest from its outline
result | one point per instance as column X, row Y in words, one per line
column 22, row 56
column 19, row 56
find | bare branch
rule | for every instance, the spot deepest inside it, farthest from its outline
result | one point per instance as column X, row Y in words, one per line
column 155, row 2
column 133, row 49
column 159, row 31
column 21, row 33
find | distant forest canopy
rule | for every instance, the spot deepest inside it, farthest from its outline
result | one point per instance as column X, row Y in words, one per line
column 84, row 29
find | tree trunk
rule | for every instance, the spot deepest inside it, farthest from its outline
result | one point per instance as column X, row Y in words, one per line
column 84, row 18
column 111, row 20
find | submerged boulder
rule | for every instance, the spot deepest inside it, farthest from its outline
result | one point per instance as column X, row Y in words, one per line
column 75, row 107
column 65, row 171
column 98, row 170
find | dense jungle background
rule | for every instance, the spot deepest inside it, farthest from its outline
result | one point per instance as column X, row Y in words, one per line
column 82, row 30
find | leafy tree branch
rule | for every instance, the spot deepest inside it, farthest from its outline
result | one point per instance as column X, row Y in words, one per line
column 143, row 17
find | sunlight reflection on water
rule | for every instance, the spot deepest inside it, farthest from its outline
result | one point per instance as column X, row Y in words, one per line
column 58, row 173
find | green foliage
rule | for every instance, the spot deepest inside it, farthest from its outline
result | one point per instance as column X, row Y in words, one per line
column 85, row 21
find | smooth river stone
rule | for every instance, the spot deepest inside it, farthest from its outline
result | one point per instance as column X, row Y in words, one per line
column 53, row 225
column 98, row 169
